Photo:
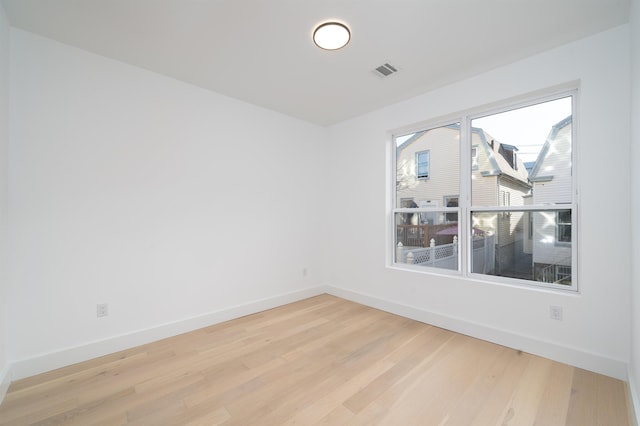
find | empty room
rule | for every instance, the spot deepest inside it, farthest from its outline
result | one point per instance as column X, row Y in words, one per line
column 319, row 212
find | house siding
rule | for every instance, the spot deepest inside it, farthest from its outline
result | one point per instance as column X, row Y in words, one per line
column 545, row 249
column 443, row 144
column 553, row 162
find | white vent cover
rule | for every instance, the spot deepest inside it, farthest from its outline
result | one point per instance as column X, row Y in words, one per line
column 385, row 70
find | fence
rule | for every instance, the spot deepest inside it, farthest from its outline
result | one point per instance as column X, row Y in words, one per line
column 421, row 235
column 483, row 258
column 445, row 256
column 557, row 274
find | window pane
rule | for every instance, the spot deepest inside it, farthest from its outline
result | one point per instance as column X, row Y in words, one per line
column 512, row 187
column 422, row 164
column 523, row 156
column 427, row 239
column 428, row 167
column 523, row 244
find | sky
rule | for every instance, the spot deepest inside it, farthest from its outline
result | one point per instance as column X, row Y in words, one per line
column 526, row 128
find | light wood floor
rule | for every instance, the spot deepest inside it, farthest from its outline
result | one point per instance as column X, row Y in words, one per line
column 322, row 360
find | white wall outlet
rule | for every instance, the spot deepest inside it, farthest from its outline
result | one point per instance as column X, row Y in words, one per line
column 102, row 310
column 555, row 313
column 305, row 272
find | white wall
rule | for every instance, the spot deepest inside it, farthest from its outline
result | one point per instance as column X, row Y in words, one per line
column 634, row 368
column 171, row 203
column 4, row 145
column 595, row 331
column 166, row 201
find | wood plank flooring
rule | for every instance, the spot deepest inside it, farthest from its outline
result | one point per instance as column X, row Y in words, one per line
column 325, row 361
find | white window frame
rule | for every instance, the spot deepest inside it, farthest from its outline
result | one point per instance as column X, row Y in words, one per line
column 465, row 208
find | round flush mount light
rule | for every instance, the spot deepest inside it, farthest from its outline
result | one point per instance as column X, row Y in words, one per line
column 331, row 35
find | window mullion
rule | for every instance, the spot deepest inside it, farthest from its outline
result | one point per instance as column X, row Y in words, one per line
column 464, row 218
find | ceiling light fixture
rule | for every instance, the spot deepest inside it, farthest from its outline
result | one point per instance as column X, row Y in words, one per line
column 331, row 35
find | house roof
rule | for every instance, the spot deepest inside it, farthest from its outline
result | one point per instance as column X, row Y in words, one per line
column 535, row 174
column 499, row 165
column 410, row 140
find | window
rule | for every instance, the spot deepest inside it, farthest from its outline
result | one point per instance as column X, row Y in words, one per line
column 422, row 165
column 563, row 227
column 505, row 198
column 508, row 205
column 451, row 201
column 474, row 158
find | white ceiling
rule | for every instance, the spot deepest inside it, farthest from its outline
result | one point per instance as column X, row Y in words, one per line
column 261, row 51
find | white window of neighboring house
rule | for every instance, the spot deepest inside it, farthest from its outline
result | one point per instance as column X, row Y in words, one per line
column 422, row 165
column 474, row 157
column 504, row 198
column 428, row 218
column 451, row 201
column 478, row 232
column 563, row 227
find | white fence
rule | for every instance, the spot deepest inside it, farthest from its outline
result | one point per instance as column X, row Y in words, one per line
column 557, row 273
column 445, row 256
column 483, row 258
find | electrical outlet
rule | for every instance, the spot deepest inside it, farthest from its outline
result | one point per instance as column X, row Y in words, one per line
column 305, row 272
column 102, row 310
column 555, row 313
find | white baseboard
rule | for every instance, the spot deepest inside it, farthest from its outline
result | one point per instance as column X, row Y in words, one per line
column 5, row 381
column 52, row 360
column 634, row 402
column 572, row 356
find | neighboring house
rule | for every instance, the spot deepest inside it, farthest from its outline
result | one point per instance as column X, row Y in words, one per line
column 551, row 178
column 428, row 175
column 500, row 178
column 428, row 171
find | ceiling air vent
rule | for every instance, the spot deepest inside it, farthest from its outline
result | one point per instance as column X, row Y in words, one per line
column 385, row 70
